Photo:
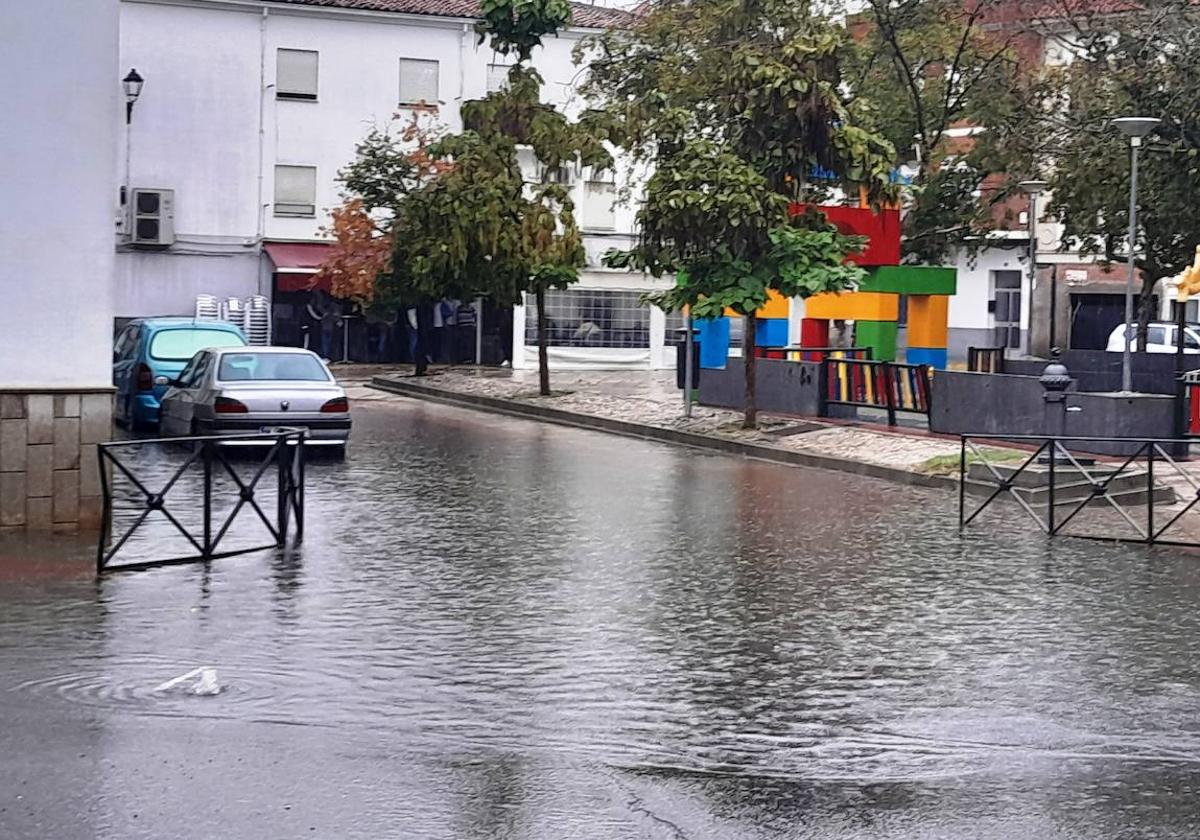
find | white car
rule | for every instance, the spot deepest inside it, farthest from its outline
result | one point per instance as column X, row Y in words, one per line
column 1160, row 338
column 230, row 390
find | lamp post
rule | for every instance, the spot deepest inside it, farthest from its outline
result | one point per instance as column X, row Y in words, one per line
column 132, row 83
column 1033, row 189
column 1135, row 128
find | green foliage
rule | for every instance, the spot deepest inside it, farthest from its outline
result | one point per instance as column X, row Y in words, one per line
column 763, row 79
column 1142, row 66
column 736, row 106
column 929, row 66
column 517, row 26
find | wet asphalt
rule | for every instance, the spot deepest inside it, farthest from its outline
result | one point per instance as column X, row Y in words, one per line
column 500, row 629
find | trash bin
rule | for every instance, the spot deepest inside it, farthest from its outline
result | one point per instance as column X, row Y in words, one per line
column 681, row 357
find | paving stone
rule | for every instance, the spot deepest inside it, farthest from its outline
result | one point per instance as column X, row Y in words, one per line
column 12, row 406
column 12, row 445
column 39, row 470
column 95, row 418
column 66, row 443
column 66, row 405
column 39, row 410
column 66, row 496
column 39, row 514
column 89, row 471
column 90, row 510
column 12, row 498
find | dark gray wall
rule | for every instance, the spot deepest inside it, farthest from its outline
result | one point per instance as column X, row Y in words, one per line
column 1097, row 370
column 786, row 387
column 992, row 404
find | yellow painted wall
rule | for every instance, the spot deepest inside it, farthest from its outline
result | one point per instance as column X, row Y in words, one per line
column 928, row 317
column 854, row 306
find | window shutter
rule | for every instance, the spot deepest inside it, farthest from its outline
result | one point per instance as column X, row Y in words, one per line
column 296, row 74
column 418, row 82
column 295, row 190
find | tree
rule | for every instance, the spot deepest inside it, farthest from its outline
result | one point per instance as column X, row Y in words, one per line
column 931, row 66
column 387, row 168
column 1137, row 64
column 741, row 111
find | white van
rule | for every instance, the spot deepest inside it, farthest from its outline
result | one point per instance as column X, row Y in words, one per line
column 1160, row 338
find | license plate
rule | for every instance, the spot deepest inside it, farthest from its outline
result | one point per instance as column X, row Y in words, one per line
column 270, row 430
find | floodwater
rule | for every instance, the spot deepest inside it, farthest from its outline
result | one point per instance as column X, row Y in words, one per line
column 499, row 629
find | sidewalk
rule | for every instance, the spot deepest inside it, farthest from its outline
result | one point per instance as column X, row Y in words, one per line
column 650, row 399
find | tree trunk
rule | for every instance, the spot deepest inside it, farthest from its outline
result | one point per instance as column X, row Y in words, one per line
column 424, row 336
column 750, row 419
column 543, row 355
column 1145, row 312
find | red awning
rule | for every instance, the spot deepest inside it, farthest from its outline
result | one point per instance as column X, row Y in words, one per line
column 296, row 264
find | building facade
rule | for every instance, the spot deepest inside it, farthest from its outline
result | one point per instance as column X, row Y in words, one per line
column 251, row 107
column 61, row 121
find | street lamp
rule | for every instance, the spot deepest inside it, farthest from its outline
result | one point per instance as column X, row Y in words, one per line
column 132, row 83
column 1135, row 128
column 133, row 89
column 1033, row 189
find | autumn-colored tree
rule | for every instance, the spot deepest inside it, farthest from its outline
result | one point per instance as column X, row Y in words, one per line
column 388, row 166
column 361, row 254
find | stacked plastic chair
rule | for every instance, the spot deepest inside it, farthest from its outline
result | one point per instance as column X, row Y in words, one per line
column 256, row 319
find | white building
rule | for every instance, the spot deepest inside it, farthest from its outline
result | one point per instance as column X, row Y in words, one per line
column 251, row 107
column 62, row 109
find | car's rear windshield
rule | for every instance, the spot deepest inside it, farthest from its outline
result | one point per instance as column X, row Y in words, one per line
column 179, row 345
column 271, row 367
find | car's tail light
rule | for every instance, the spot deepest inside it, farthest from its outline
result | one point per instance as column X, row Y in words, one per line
column 145, row 377
column 337, row 405
column 228, row 405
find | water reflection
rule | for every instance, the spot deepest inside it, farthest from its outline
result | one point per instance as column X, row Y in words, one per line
column 502, row 629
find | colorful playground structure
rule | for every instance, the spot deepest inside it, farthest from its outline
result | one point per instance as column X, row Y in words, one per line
column 874, row 307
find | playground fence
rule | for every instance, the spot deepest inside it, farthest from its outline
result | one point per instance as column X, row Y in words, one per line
column 864, row 383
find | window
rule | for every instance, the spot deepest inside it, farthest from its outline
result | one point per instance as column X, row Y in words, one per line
column 295, row 190
column 418, row 82
column 586, row 318
column 599, row 196
column 296, row 74
column 497, row 77
column 179, row 345
column 251, row 367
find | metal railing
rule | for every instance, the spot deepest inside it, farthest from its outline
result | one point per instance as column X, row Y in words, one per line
column 985, row 359
column 1057, row 485
column 209, row 455
column 796, row 353
column 863, row 383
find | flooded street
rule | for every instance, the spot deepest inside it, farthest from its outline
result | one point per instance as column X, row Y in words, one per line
column 500, row 629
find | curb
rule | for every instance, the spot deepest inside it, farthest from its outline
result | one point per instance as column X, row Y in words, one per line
column 513, row 408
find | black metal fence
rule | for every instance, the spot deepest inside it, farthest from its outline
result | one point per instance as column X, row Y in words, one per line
column 282, row 451
column 863, row 383
column 1144, row 497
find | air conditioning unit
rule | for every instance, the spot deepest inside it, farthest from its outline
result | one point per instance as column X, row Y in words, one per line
column 152, row 217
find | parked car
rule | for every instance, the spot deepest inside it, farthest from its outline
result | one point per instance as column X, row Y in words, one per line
column 1160, row 338
column 150, row 352
column 231, row 390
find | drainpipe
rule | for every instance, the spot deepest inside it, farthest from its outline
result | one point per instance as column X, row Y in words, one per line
column 262, row 106
column 462, row 63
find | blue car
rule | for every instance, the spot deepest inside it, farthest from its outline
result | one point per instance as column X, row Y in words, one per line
column 151, row 352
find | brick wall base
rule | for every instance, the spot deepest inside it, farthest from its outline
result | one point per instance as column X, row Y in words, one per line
column 49, row 471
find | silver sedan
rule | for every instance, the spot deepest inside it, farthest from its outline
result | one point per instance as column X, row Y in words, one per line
column 253, row 389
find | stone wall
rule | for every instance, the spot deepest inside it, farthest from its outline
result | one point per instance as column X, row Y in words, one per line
column 49, row 472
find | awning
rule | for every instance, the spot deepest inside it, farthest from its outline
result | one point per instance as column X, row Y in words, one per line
column 296, row 264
